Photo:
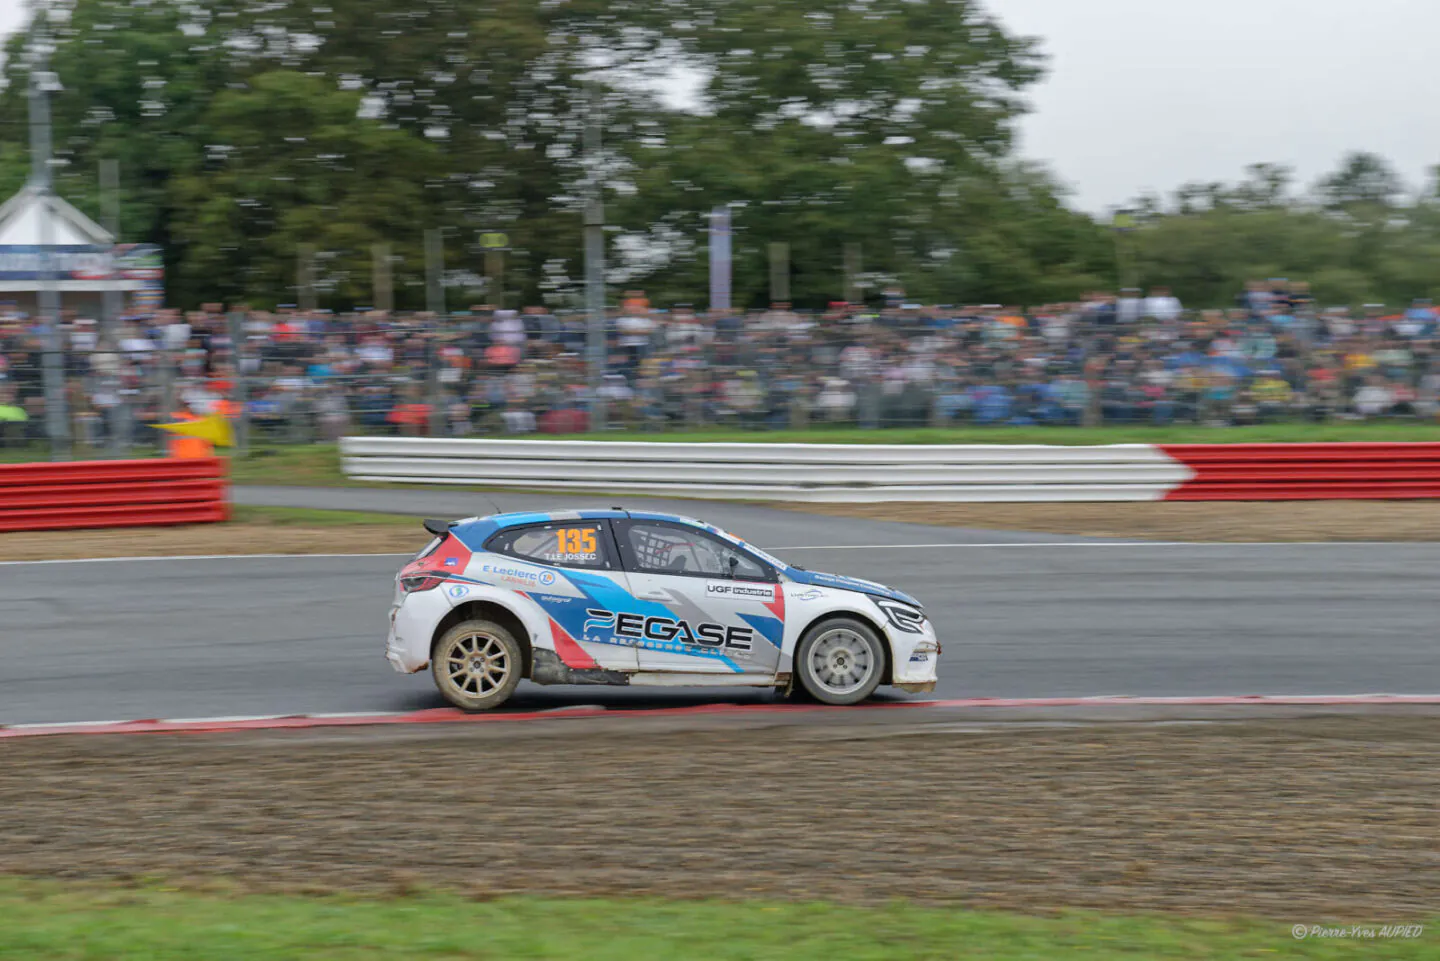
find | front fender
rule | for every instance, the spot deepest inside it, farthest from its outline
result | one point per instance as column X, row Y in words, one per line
column 913, row 657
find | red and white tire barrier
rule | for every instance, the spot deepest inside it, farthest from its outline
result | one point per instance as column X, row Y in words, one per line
column 913, row 472
column 447, row 715
column 113, row 493
column 1280, row 472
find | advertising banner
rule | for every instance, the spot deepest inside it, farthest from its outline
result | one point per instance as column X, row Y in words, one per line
column 144, row 263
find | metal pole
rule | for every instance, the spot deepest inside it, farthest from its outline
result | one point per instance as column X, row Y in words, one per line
column 42, row 81
column 779, row 273
column 114, row 299
column 434, row 267
column 384, row 289
column 594, row 263
column 495, row 273
column 435, row 303
column 167, row 390
column 852, row 273
column 305, row 277
column 236, row 323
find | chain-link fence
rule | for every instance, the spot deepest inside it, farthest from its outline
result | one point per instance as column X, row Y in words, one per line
column 292, row 379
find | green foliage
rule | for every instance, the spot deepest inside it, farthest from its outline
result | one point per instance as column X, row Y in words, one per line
column 1356, row 238
column 289, row 164
column 46, row 920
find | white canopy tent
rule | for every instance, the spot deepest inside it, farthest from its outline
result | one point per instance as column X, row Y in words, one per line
column 81, row 253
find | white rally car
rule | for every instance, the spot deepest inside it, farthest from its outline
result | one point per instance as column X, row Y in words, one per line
column 640, row 598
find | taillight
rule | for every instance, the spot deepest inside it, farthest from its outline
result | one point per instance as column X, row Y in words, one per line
column 422, row 581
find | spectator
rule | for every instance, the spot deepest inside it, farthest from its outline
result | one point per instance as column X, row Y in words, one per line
column 1161, row 305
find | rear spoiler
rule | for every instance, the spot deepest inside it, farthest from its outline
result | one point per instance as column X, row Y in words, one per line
column 437, row 527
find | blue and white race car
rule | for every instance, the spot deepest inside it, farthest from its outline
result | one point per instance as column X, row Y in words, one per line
column 641, row 598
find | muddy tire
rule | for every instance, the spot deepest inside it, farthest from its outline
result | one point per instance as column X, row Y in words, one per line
column 476, row 665
column 840, row 661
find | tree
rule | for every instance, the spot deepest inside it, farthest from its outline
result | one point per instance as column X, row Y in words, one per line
column 289, row 164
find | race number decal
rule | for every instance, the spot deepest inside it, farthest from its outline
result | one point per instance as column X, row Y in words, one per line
column 575, row 544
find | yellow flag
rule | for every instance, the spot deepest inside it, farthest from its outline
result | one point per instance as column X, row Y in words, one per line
column 216, row 430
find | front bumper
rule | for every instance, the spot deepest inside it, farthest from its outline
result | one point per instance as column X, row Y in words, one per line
column 917, row 659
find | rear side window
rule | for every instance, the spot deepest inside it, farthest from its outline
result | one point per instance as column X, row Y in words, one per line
column 429, row 548
column 558, row 543
column 666, row 548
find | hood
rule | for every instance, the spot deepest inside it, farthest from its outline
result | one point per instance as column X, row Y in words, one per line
column 840, row 582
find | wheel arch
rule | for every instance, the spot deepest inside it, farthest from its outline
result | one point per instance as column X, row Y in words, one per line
column 488, row 610
column 887, row 673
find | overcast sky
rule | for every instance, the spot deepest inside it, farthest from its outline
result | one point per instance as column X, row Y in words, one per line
column 1147, row 94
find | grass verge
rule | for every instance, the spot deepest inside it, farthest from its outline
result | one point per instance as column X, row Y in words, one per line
column 309, row 517
column 318, row 465
column 1072, row 436
column 48, row 920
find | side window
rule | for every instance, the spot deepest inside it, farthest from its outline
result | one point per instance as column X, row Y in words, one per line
column 659, row 548
column 559, row 543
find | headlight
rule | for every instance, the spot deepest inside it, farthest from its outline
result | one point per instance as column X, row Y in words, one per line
column 904, row 617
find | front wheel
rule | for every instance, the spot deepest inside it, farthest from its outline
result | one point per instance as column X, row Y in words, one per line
column 840, row 661
column 476, row 665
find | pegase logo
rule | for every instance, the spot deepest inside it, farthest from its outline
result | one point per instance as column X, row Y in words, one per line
column 670, row 629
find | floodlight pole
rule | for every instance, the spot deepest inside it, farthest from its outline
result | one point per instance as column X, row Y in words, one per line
column 114, row 303
column 594, row 263
column 57, row 421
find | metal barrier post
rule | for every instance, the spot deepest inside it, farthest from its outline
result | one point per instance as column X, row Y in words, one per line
column 167, row 393
column 241, row 391
column 113, row 303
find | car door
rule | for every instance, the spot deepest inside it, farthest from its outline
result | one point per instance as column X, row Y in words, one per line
column 711, row 607
column 570, row 569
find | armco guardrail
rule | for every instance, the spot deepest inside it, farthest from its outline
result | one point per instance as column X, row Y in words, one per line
column 112, row 493
column 844, row 472
column 814, row 472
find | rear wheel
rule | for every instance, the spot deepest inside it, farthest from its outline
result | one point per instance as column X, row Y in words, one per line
column 476, row 665
column 840, row 661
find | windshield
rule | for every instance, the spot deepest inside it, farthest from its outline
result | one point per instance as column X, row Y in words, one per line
column 774, row 562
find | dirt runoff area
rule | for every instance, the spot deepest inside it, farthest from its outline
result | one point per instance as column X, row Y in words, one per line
column 1301, row 818
column 1285, row 521
column 1178, row 521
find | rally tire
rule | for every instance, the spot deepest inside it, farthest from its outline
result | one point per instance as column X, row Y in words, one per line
column 477, row 665
column 840, row 661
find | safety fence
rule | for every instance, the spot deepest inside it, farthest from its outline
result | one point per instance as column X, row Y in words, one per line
column 877, row 473
column 114, row 493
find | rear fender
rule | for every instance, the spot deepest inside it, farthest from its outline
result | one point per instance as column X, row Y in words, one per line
column 537, row 624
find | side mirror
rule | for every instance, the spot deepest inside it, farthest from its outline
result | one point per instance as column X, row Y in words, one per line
column 734, row 563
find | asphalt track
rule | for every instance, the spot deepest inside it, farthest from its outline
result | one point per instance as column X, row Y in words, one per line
column 1021, row 615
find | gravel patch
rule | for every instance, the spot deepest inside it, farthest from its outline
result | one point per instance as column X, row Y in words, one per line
column 1297, row 819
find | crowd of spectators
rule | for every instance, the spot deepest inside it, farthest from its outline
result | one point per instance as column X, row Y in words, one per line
column 1135, row 358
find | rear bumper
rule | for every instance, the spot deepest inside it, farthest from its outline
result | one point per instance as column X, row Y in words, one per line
column 412, row 626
